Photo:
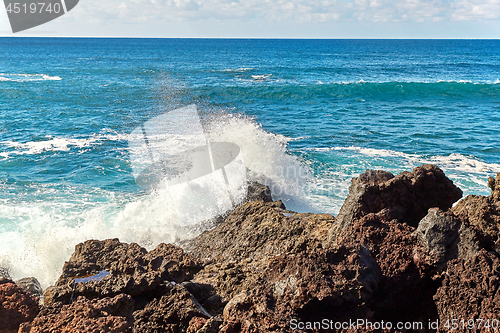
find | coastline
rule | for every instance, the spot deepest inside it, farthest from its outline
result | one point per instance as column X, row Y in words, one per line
column 399, row 251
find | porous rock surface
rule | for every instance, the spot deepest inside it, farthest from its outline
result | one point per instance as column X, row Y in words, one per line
column 405, row 197
column 132, row 270
column 484, row 213
column 397, row 251
column 16, row 306
column 471, row 290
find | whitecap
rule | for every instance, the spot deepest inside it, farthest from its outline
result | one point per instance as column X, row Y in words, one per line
column 28, row 77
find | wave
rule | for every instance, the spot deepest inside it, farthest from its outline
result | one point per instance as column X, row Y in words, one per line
column 39, row 233
column 425, row 82
column 52, row 144
column 28, row 77
column 457, row 162
column 238, row 70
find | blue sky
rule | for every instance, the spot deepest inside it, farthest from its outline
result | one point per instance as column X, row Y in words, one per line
column 275, row 19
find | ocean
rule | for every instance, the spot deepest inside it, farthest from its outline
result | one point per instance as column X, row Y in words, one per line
column 308, row 115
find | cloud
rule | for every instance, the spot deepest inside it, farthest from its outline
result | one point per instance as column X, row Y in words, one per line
column 301, row 11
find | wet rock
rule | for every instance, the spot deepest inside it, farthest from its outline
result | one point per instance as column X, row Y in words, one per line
column 470, row 290
column 257, row 229
column 405, row 198
column 107, row 314
column 4, row 273
column 173, row 311
column 127, row 268
column 31, row 285
column 258, row 192
column 16, row 306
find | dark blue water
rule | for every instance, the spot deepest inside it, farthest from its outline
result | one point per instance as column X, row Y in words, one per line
column 308, row 114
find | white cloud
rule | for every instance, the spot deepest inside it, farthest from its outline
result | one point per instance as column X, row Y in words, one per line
column 294, row 10
column 240, row 18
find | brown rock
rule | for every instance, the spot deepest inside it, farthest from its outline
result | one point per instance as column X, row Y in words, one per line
column 16, row 306
column 494, row 185
column 483, row 213
column 405, row 292
column 112, row 315
column 257, row 229
column 195, row 324
column 268, row 293
column 130, row 268
column 405, row 198
column 173, row 311
column 470, row 290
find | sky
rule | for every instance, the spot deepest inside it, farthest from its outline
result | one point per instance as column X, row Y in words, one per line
column 273, row 19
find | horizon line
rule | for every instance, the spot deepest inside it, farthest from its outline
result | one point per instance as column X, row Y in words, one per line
column 291, row 38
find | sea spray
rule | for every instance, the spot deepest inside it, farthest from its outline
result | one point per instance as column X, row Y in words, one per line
column 44, row 228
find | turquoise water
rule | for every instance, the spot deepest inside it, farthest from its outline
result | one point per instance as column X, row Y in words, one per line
column 308, row 115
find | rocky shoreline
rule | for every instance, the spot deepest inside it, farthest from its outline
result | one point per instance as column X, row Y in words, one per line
column 398, row 251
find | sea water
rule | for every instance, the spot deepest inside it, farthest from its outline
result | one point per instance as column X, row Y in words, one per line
column 308, row 116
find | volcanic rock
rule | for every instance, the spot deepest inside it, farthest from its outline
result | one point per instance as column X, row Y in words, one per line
column 405, row 198
column 470, row 290
column 438, row 237
column 257, row 229
column 483, row 213
column 333, row 283
column 443, row 236
column 175, row 310
column 128, row 268
column 494, row 185
column 31, row 285
column 258, row 192
column 113, row 315
column 16, row 306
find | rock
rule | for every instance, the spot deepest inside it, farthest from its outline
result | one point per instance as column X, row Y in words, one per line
column 258, row 192
column 405, row 198
column 470, row 290
column 107, row 314
column 483, row 213
column 128, row 268
column 195, row 324
column 264, row 295
column 16, row 306
column 396, row 252
column 31, row 285
column 4, row 273
column 211, row 326
column 443, row 236
column 257, row 229
column 173, row 311
column 494, row 185
column 438, row 238
column 405, row 292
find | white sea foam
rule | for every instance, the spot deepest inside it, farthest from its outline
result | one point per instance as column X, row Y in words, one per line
column 468, row 173
column 262, row 77
column 456, row 162
column 51, row 144
column 28, row 77
column 39, row 235
column 238, row 70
